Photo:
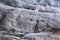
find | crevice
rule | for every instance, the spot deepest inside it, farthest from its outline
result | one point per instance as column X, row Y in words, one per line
column 3, row 16
column 36, row 27
column 55, row 29
column 31, row 19
column 47, row 25
column 29, row 7
column 46, row 11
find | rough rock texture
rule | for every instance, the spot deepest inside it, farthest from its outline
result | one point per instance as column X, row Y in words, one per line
column 29, row 20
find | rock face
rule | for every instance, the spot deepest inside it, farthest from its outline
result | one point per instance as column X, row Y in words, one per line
column 29, row 20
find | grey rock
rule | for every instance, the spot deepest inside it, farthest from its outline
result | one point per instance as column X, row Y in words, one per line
column 29, row 19
column 16, row 3
column 37, row 36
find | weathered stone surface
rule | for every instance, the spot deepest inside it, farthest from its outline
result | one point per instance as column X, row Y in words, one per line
column 37, row 36
column 29, row 20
